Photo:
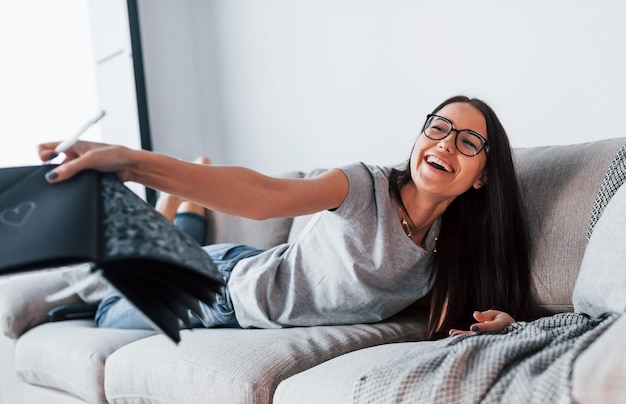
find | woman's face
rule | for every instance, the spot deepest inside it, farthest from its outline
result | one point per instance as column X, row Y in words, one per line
column 438, row 168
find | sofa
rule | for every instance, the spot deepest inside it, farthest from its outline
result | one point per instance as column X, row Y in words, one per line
column 566, row 189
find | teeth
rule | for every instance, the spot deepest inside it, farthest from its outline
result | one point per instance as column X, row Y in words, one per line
column 437, row 163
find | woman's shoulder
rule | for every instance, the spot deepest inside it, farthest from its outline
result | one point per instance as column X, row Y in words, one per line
column 368, row 184
column 364, row 169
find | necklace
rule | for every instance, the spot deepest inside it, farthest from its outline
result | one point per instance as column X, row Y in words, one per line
column 405, row 224
column 408, row 226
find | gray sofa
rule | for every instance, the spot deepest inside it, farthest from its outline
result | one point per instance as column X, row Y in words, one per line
column 75, row 362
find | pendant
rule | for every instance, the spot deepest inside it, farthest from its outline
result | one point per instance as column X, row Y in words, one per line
column 407, row 229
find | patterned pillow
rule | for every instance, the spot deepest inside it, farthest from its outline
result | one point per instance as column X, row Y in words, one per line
column 23, row 303
column 614, row 178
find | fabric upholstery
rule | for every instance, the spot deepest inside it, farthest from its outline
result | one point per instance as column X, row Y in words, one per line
column 255, row 233
column 601, row 283
column 37, row 394
column 559, row 186
column 8, row 378
column 333, row 382
column 235, row 365
column 70, row 355
column 224, row 228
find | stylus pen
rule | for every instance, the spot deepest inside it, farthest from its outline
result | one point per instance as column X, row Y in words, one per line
column 69, row 142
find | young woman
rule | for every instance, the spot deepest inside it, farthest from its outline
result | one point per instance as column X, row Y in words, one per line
column 449, row 224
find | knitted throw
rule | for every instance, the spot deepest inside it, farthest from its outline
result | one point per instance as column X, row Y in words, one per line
column 528, row 362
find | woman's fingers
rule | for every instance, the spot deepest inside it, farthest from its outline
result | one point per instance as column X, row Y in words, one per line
column 454, row 332
column 88, row 155
column 491, row 321
column 46, row 151
column 488, row 321
column 64, row 171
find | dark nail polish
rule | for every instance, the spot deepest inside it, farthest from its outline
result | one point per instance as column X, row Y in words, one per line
column 53, row 156
column 474, row 328
column 51, row 175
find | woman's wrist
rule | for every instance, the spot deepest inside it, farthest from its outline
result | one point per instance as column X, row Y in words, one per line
column 151, row 169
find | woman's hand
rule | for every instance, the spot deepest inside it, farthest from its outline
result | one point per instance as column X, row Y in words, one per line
column 88, row 155
column 488, row 321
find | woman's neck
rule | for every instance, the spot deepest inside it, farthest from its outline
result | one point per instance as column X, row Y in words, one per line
column 417, row 213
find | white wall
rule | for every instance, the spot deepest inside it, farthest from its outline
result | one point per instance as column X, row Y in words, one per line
column 181, row 73
column 47, row 83
column 283, row 84
column 114, row 70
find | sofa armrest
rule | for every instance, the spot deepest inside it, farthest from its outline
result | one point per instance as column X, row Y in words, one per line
column 599, row 374
column 23, row 302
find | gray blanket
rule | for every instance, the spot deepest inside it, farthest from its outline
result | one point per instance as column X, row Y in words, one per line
column 528, row 362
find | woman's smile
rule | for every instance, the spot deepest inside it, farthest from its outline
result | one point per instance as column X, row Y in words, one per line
column 439, row 163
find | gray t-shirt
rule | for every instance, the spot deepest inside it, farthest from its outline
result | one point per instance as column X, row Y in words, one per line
column 351, row 265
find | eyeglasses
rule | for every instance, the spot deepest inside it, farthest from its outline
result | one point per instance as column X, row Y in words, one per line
column 467, row 141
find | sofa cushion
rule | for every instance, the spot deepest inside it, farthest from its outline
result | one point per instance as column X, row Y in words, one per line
column 70, row 355
column 601, row 283
column 559, row 185
column 333, row 382
column 237, row 365
column 36, row 394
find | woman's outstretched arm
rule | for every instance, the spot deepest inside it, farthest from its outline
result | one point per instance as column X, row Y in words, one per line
column 234, row 190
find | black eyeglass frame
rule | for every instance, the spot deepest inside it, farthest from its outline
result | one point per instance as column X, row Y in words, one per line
column 485, row 145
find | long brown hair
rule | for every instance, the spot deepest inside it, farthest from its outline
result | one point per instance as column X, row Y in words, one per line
column 482, row 259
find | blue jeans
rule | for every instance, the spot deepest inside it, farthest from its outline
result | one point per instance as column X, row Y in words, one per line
column 193, row 224
column 115, row 311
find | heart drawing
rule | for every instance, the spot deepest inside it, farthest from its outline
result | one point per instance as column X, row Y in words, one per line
column 18, row 215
